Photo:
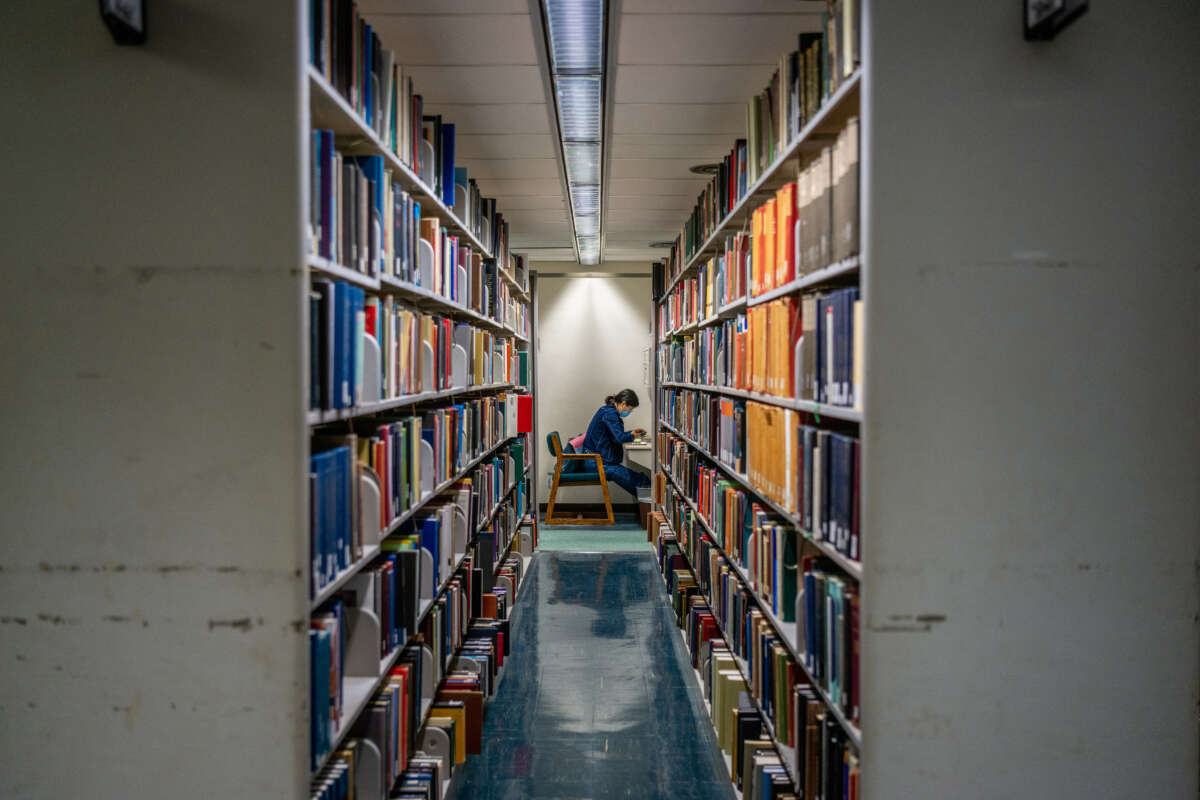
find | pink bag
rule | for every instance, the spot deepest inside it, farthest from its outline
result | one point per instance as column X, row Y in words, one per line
column 577, row 443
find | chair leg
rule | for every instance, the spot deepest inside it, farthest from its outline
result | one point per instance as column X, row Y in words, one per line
column 607, row 497
column 550, row 520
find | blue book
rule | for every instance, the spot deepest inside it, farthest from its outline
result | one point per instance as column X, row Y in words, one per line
column 399, row 234
column 355, row 343
column 430, row 535
column 341, row 385
column 810, row 620
column 320, row 695
column 448, row 164
column 328, row 215
column 321, row 517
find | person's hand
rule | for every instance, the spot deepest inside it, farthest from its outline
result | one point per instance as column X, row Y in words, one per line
column 639, row 433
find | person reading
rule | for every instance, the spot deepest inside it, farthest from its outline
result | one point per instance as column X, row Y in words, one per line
column 606, row 436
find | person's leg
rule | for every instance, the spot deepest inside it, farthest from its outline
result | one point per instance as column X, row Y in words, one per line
column 625, row 478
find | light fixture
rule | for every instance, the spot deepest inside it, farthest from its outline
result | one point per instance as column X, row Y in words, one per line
column 576, row 46
column 705, row 169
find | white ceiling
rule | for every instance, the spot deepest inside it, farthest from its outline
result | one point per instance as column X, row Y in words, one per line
column 684, row 70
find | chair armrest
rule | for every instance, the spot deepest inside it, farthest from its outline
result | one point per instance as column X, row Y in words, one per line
column 578, row 456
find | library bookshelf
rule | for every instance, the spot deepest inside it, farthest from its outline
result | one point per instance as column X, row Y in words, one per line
column 453, row 344
column 676, row 503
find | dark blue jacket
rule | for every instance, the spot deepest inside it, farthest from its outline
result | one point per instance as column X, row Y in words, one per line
column 605, row 435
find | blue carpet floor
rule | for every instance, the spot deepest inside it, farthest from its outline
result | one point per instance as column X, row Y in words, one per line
column 598, row 698
column 626, row 535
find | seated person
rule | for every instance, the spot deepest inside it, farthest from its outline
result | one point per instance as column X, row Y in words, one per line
column 606, row 436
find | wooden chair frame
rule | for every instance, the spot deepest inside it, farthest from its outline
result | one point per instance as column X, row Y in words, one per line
column 602, row 481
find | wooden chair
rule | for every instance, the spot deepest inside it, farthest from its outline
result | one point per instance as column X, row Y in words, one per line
column 590, row 477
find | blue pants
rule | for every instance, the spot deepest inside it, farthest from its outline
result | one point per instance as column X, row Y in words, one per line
column 627, row 479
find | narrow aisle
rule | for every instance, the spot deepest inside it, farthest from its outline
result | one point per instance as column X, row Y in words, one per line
column 598, row 699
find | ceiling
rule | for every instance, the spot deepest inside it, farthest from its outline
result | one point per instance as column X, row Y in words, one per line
column 684, row 70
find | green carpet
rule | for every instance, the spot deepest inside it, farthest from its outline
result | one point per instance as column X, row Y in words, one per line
column 622, row 537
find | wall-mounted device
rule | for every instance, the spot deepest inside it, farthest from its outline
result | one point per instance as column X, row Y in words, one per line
column 126, row 20
column 1043, row 19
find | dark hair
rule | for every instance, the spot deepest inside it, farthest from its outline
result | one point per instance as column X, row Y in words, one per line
column 626, row 396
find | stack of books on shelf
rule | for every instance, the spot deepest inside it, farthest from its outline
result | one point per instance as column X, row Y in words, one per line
column 772, row 721
column 422, row 712
column 348, row 55
column 367, row 349
column 796, row 95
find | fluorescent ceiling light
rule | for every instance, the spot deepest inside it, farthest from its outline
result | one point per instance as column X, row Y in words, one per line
column 576, row 42
column 576, row 35
column 585, row 200
column 583, row 162
column 578, row 108
column 587, row 225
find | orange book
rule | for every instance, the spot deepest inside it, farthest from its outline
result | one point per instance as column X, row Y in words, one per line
column 785, row 234
column 772, row 376
column 756, row 252
column 768, row 268
column 758, row 351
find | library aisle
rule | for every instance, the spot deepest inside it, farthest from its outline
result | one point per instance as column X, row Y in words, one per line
column 599, row 699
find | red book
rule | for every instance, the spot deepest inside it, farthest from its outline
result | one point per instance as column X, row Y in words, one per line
column 524, row 413
column 381, row 469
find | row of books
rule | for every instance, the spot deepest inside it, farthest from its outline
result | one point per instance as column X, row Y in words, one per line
column 830, row 504
column 361, row 481
column 827, row 630
column 809, row 471
column 803, row 81
column 768, row 717
column 366, row 349
column 362, row 219
column 718, row 424
column 765, row 547
column 419, row 737
column 345, row 49
column 719, row 281
column 809, row 348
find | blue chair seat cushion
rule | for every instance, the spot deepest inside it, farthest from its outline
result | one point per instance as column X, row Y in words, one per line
column 578, row 477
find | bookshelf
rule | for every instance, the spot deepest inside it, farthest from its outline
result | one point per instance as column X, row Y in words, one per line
column 697, row 323
column 452, row 319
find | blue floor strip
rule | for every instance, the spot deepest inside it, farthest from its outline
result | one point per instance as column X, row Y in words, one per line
column 598, row 699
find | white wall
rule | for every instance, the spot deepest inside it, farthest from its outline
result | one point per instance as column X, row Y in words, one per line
column 1032, row 447
column 593, row 339
column 152, row 560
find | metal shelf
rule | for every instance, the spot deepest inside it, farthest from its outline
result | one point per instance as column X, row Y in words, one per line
column 845, row 413
column 834, row 272
column 326, row 416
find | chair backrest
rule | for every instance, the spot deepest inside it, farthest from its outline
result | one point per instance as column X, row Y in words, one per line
column 554, row 443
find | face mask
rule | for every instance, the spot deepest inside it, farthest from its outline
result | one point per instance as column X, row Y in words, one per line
column 626, row 412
